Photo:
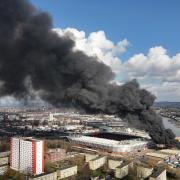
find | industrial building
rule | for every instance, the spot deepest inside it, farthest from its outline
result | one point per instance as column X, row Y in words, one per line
column 112, row 146
column 27, row 155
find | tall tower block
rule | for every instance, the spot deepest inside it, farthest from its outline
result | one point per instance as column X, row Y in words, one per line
column 27, row 155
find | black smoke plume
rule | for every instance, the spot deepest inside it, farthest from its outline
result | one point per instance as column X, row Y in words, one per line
column 29, row 49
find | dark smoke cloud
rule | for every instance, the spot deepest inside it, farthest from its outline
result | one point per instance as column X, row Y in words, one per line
column 29, row 49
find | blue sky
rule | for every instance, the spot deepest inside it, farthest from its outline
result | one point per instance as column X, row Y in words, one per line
column 145, row 24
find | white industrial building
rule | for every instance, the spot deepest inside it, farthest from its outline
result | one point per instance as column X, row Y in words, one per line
column 27, row 155
column 109, row 145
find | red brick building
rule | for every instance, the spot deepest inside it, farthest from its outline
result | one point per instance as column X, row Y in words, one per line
column 54, row 155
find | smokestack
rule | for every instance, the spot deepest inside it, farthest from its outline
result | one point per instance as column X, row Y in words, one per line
column 62, row 77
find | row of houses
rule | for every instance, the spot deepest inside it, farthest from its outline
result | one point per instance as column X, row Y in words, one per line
column 123, row 168
column 57, row 175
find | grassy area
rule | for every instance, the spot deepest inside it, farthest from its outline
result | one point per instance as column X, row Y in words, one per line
column 83, row 168
column 51, row 144
column 76, row 161
column 12, row 174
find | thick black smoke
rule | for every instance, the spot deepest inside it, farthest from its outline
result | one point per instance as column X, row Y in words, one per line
column 29, row 49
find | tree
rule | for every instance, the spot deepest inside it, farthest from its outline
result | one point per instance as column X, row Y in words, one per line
column 12, row 174
column 48, row 167
column 45, row 123
column 36, row 122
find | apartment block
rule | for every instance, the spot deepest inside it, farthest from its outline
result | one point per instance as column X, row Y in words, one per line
column 27, row 155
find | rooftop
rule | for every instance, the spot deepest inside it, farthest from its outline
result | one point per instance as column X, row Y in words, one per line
column 28, row 139
column 56, row 150
column 170, row 151
column 96, row 158
column 156, row 173
column 105, row 142
column 124, row 164
column 44, row 174
column 4, row 154
column 66, row 167
column 157, row 155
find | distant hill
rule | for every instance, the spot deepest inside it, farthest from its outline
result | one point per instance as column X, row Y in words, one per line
column 167, row 104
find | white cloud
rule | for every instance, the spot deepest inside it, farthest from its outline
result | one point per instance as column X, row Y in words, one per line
column 156, row 71
column 121, row 46
column 156, row 63
column 97, row 44
column 166, row 91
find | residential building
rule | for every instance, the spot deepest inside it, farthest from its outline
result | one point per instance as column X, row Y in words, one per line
column 54, row 155
column 144, row 172
column 67, row 172
column 89, row 157
column 50, row 176
column 3, row 169
column 159, row 174
column 122, row 170
column 97, row 162
column 4, row 160
column 112, row 164
column 27, row 155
